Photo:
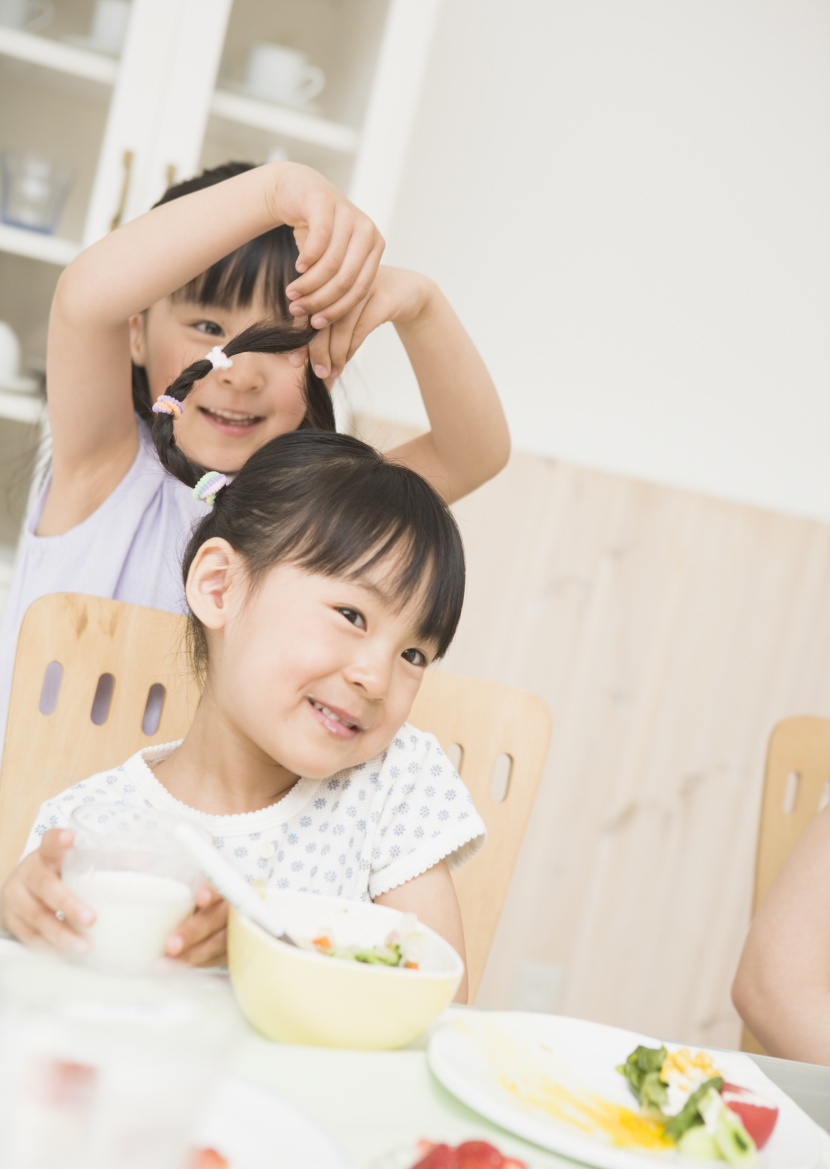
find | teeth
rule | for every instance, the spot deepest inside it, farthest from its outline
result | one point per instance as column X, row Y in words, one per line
column 330, row 714
column 232, row 416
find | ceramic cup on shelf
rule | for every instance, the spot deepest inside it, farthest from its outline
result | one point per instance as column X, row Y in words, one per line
column 280, row 74
column 34, row 189
column 30, row 15
column 109, row 25
column 10, row 376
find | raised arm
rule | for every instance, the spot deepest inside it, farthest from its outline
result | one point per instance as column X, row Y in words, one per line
column 782, row 987
column 88, row 360
column 468, row 441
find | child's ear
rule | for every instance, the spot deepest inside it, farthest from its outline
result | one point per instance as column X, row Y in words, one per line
column 215, row 572
column 137, row 335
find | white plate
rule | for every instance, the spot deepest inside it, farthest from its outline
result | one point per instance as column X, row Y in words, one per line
column 553, row 1081
column 255, row 1129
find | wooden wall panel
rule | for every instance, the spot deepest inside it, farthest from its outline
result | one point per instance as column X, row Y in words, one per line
column 668, row 632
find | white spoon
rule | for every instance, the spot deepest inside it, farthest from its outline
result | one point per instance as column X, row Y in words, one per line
column 225, row 879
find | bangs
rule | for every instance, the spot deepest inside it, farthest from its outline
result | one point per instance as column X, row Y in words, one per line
column 262, row 267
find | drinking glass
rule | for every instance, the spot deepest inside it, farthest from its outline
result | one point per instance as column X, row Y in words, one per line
column 34, row 190
column 99, row 1071
column 128, row 865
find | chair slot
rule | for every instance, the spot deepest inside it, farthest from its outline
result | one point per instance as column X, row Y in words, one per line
column 790, row 793
column 500, row 781
column 153, row 708
column 102, row 700
column 51, row 688
column 455, row 754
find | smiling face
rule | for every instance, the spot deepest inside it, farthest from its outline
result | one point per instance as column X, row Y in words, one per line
column 230, row 413
column 313, row 672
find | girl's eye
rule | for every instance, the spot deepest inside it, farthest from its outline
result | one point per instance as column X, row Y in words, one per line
column 352, row 616
column 416, row 657
column 210, row 328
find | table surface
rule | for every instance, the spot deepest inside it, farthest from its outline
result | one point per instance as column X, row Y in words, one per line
column 374, row 1103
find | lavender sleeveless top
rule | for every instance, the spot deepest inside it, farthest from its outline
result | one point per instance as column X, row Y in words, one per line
column 130, row 549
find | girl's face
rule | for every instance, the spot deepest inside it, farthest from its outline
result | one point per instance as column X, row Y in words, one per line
column 312, row 672
column 231, row 413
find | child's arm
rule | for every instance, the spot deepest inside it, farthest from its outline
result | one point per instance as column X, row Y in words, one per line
column 34, row 893
column 431, row 897
column 468, row 442
column 94, row 434
column 782, row 987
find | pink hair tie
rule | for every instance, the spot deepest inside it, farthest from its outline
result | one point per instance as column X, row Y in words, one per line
column 167, row 405
column 209, row 486
column 218, row 358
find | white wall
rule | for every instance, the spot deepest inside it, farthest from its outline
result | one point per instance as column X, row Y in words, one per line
column 628, row 201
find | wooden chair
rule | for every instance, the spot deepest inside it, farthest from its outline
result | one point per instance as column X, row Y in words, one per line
column 116, row 656
column 796, row 787
column 85, row 696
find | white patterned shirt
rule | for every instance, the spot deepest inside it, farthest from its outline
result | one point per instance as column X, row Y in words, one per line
column 356, row 835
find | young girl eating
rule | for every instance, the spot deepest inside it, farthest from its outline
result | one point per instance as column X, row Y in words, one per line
column 322, row 583
column 165, row 289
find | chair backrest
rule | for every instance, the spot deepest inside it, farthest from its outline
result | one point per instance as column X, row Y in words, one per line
column 86, row 695
column 796, row 787
column 115, row 656
column 497, row 736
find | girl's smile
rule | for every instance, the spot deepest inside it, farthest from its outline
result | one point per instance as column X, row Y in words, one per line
column 309, row 674
column 233, row 411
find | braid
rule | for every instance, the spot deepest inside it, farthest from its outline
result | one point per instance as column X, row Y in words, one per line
column 263, row 337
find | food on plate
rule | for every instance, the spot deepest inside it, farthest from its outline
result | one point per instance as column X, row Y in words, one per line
column 402, row 947
column 207, row 1159
column 467, row 1155
column 699, row 1111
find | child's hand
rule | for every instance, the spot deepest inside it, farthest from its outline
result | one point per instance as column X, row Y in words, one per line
column 340, row 247
column 201, row 940
column 34, row 896
column 396, row 295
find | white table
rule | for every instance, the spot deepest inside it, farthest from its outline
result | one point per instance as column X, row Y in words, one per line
column 375, row 1102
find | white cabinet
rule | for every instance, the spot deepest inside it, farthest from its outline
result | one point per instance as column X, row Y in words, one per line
column 173, row 101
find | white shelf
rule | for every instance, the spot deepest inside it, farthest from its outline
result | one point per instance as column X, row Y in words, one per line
column 29, row 408
column 24, row 46
column 36, row 245
column 302, row 127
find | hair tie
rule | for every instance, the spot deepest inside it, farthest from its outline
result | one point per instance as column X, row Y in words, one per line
column 164, row 404
column 209, row 487
column 218, row 358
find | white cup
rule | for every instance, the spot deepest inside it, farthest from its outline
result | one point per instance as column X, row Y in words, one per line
column 25, row 14
column 128, row 865
column 282, row 75
column 109, row 25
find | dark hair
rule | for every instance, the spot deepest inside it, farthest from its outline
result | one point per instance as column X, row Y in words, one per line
column 334, row 505
column 264, row 337
column 264, row 264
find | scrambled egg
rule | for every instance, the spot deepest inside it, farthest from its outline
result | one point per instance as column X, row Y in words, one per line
column 682, row 1073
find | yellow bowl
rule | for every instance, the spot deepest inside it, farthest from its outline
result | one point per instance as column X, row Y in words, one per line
column 299, row 996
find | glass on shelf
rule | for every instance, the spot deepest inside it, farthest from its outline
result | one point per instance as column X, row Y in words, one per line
column 34, row 190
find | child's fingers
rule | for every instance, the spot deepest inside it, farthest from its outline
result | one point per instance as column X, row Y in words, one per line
column 341, row 277
column 319, row 353
column 340, row 306
column 195, row 932
column 213, row 951
column 34, row 922
column 341, row 333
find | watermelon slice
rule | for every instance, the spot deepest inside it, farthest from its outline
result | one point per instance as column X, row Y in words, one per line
column 757, row 1112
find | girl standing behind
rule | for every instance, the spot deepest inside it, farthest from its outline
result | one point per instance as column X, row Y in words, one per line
column 159, row 292
column 322, row 584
